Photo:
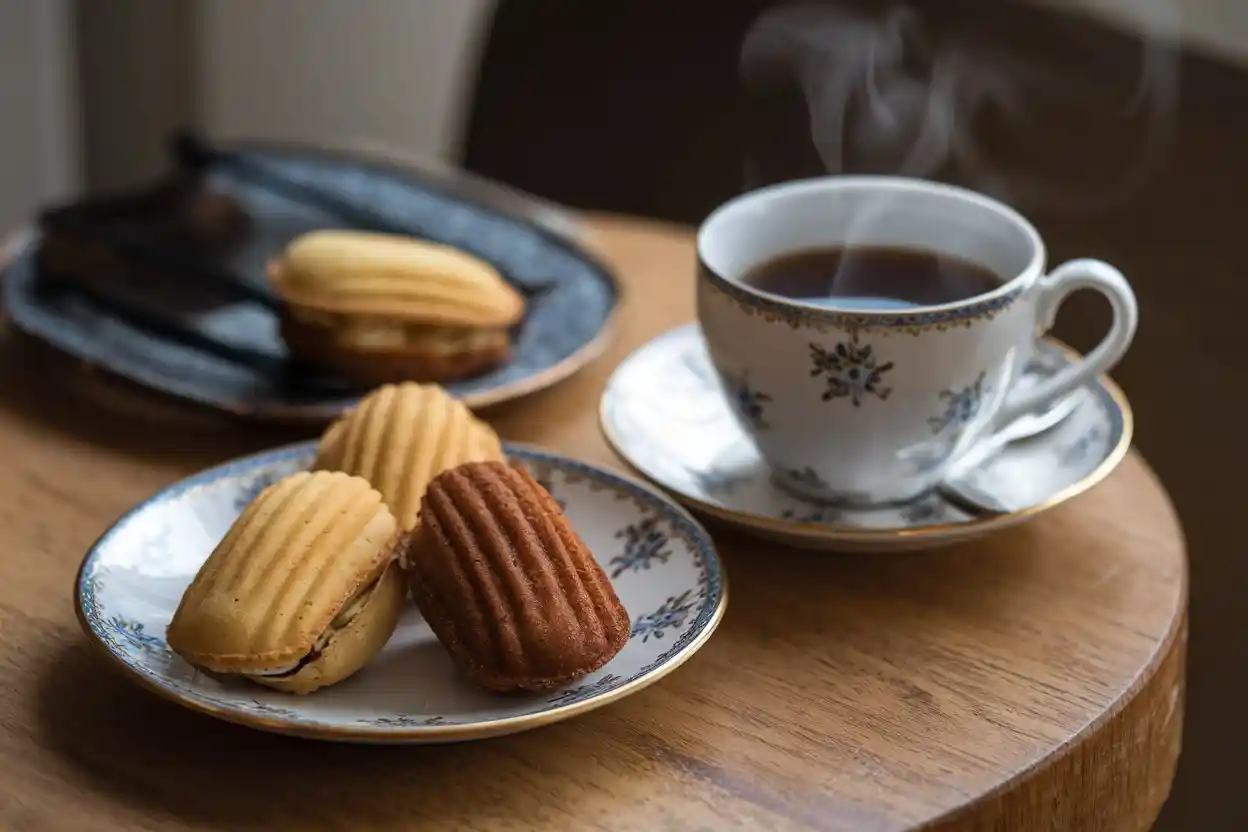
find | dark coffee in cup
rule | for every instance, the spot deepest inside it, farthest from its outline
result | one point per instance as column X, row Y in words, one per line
column 872, row 277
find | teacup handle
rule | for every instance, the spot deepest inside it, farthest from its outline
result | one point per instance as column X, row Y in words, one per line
column 1053, row 288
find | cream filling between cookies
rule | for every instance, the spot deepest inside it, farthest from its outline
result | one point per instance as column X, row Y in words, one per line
column 341, row 621
column 368, row 332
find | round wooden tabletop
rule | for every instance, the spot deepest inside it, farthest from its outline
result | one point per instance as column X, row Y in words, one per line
column 1032, row 680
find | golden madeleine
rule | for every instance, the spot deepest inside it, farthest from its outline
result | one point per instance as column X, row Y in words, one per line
column 303, row 590
column 366, row 273
column 381, row 307
column 401, row 436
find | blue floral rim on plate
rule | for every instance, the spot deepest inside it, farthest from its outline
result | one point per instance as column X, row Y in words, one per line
column 690, row 613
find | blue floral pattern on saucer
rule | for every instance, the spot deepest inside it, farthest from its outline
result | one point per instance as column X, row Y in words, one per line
column 664, row 566
column 645, row 543
column 688, row 441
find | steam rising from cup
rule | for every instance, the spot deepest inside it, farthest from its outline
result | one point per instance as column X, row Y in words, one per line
column 886, row 92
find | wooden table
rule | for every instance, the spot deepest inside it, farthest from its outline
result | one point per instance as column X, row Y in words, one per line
column 1030, row 681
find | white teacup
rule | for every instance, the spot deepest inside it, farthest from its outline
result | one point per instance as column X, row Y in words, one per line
column 866, row 405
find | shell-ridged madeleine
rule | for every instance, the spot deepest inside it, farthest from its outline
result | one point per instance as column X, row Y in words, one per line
column 366, row 273
column 506, row 584
column 399, row 437
column 302, row 591
column 380, row 308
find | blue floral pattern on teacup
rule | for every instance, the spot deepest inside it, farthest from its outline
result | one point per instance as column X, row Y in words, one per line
column 850, row 370
column 751, row 403
column 961, row 406
column 666, row 574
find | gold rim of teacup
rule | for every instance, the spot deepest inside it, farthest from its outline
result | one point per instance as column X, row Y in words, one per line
column 823, row 318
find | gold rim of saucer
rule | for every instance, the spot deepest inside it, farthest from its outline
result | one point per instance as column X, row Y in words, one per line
column 831, row 533
column 427, row 734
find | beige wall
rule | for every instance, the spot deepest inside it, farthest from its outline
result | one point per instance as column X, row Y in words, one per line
column 136, row 74
column 386, row 72
column 38, row 151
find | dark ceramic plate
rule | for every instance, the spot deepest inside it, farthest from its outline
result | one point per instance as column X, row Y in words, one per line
column 566, row 326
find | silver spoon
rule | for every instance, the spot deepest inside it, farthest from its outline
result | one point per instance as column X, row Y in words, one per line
column 958, row 487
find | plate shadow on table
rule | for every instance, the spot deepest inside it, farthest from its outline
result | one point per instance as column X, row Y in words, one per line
column 113, row 738
column 47, row 389
column 866, row 616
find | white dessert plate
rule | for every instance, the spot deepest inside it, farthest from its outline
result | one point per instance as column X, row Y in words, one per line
column 661, row 561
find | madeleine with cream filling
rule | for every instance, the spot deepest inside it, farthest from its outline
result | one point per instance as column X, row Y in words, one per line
column 303, row 591
column 384, row 308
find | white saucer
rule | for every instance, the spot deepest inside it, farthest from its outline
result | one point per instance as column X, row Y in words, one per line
column 665, row 414
column 661, row 562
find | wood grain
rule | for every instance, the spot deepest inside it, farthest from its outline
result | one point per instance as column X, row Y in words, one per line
column 1030, row 681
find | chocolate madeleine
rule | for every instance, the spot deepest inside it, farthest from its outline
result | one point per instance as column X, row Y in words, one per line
column 506, row 584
